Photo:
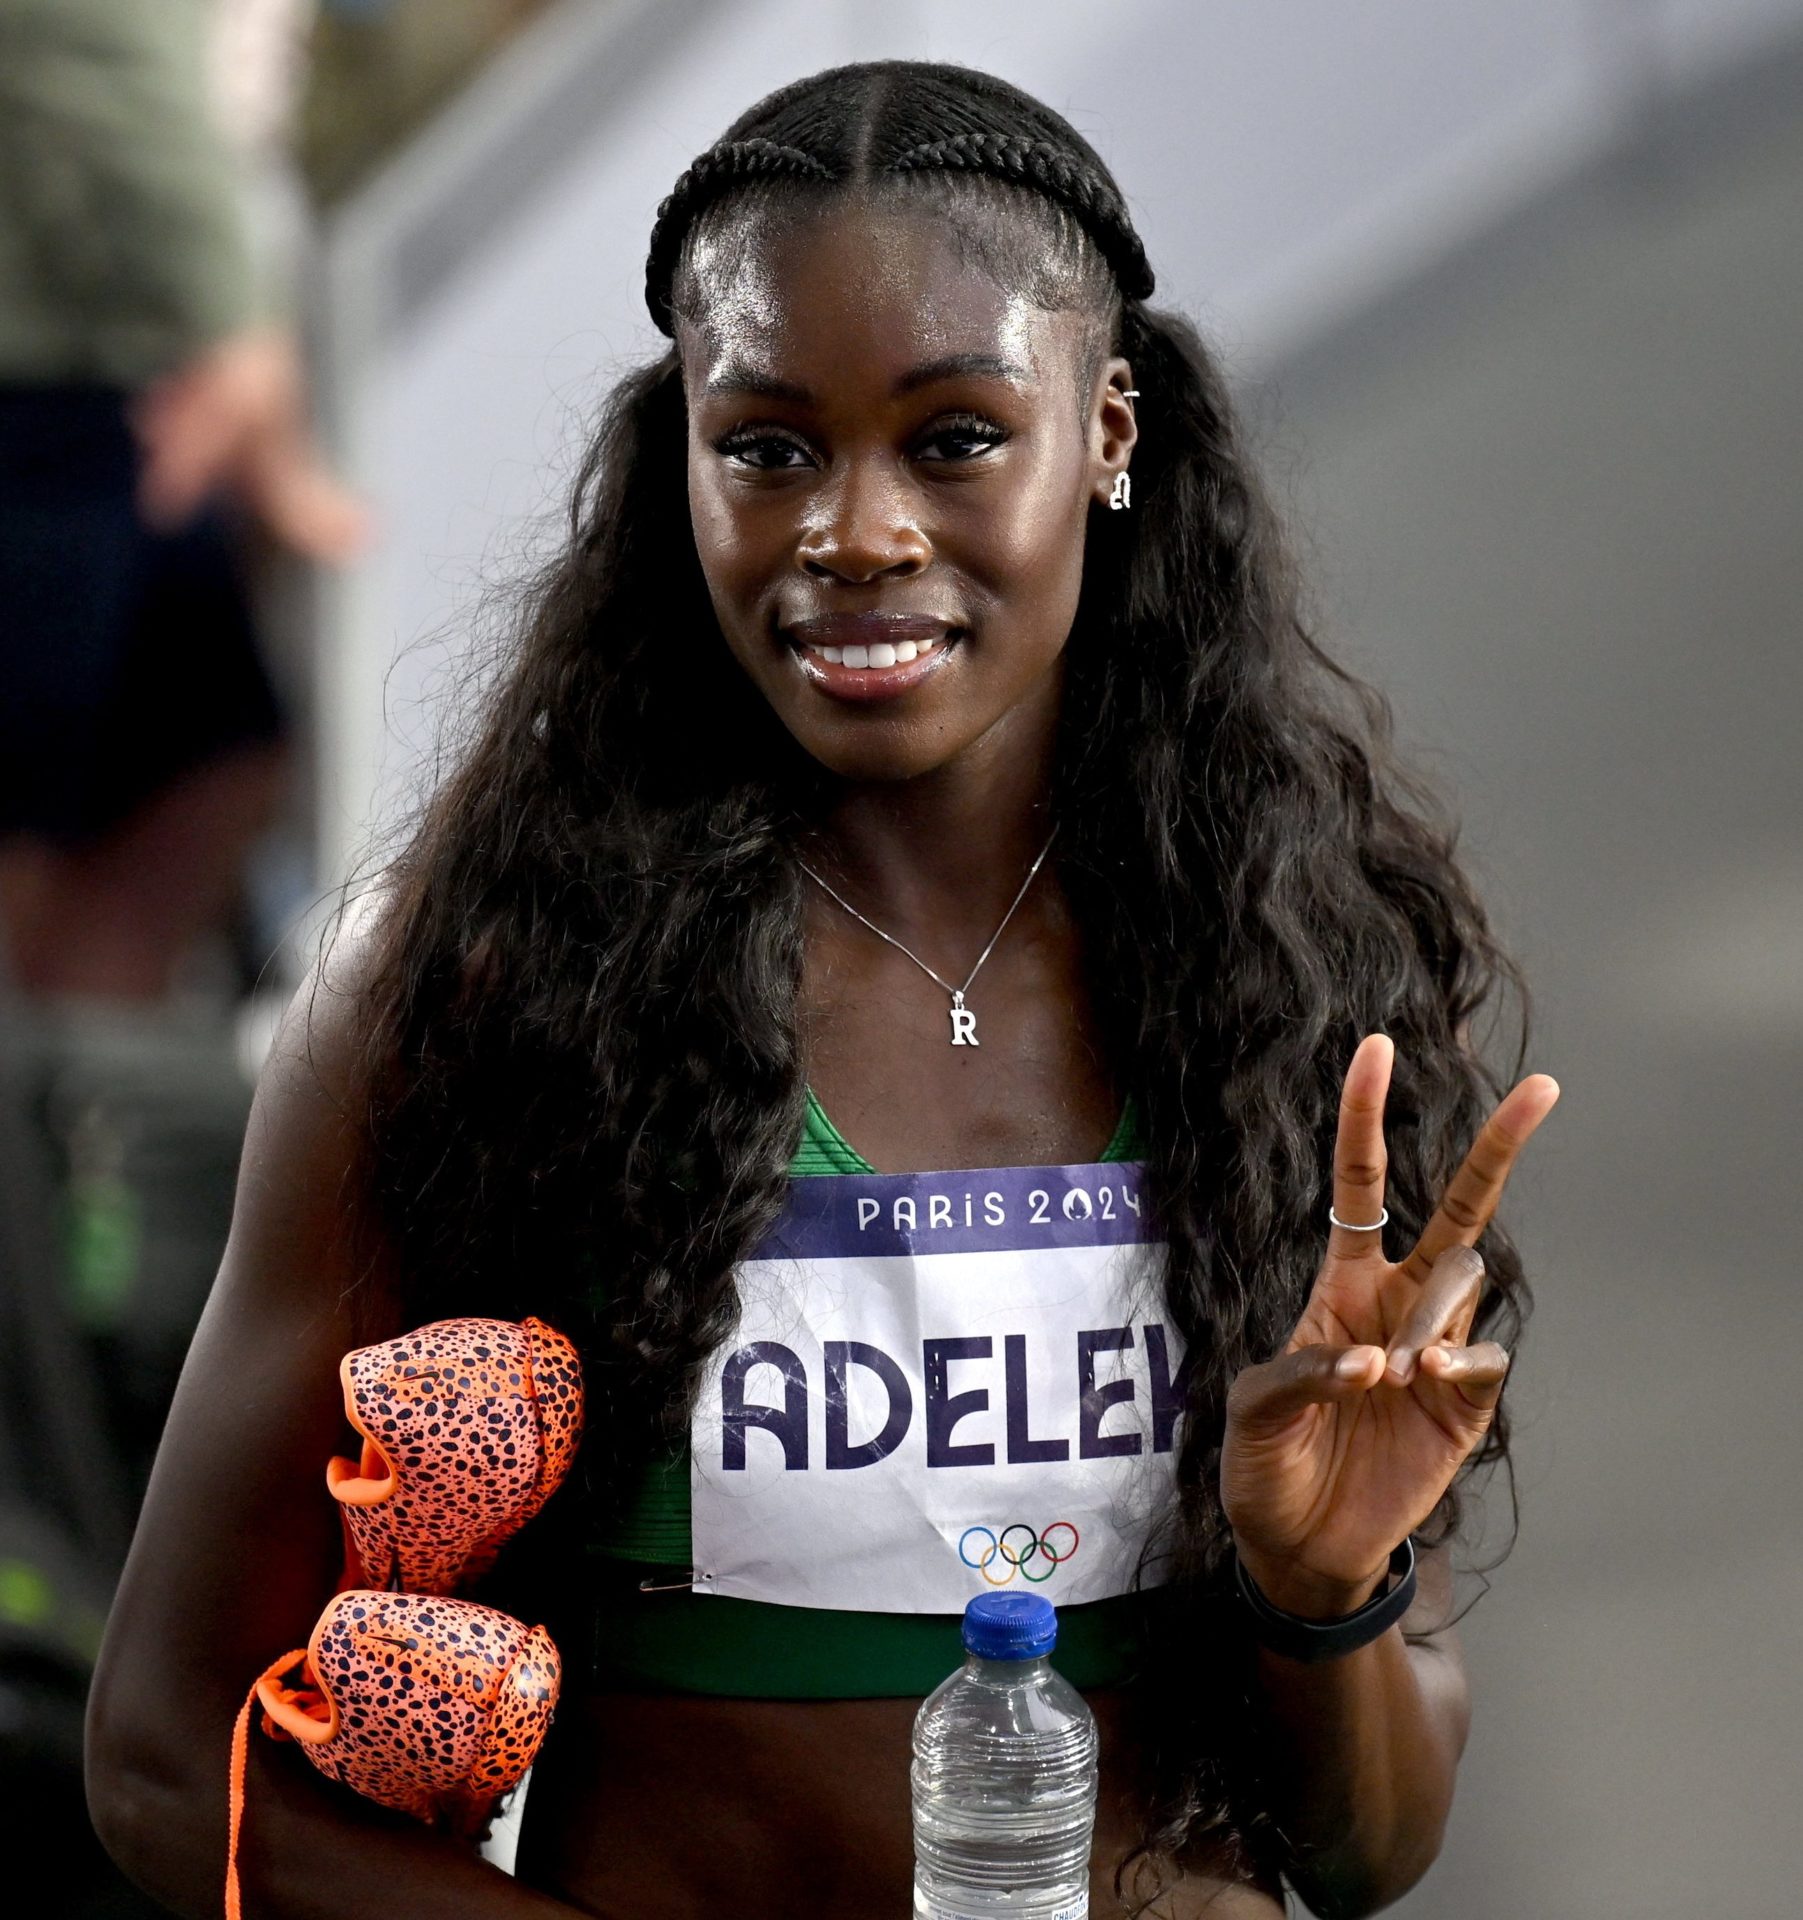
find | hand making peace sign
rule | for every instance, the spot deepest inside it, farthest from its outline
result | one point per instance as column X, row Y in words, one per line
column 1342, row 1445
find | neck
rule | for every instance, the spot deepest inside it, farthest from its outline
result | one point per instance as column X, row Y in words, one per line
column 946, row 850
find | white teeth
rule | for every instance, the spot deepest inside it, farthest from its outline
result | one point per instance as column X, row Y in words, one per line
column 880, row 653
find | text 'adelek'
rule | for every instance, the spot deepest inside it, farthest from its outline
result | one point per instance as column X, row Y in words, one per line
column 942, row 1410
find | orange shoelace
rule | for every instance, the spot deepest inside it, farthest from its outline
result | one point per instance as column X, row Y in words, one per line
column 311, row 1702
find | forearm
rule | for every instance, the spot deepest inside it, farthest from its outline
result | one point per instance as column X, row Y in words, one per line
column 308, row 1851
column 1361, row 1756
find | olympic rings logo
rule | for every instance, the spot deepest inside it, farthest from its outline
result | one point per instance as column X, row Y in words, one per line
column 1017, row 1556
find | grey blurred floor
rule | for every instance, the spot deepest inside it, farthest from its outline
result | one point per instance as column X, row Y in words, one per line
column 1553, row 506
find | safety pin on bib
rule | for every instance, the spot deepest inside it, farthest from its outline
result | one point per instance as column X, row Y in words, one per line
column 696, row 1578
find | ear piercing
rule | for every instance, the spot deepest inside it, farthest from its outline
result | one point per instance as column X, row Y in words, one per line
column 1122, row 494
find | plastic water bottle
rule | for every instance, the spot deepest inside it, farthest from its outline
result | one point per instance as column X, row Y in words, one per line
column 1004, row 1776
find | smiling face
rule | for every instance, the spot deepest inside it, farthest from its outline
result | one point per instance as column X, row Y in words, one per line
column 890, row 474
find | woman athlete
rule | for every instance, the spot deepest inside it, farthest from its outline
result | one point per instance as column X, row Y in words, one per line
column 927, row 546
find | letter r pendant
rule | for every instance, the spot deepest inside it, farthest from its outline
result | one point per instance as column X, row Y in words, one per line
column 964, row 1022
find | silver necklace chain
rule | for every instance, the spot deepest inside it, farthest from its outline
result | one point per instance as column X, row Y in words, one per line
column 963, row 1025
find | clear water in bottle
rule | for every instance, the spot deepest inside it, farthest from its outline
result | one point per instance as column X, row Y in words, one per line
column 1004, row 1776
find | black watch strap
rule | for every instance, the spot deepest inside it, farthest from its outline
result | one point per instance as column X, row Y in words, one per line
column 1299, row 1639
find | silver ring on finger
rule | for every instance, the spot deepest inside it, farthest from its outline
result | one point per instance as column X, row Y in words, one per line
column 1357, row 1226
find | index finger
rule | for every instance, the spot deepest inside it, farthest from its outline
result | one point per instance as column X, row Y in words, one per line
column 1473, row 1193
column 1360, row 1158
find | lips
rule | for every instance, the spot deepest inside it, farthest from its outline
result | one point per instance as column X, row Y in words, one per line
column 846, row 680
column 870, row 656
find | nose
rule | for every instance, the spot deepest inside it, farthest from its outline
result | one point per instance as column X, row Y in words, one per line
column 863, row 528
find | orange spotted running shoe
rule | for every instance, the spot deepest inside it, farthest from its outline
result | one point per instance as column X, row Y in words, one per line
column 432, row 1706
column 468, row 1428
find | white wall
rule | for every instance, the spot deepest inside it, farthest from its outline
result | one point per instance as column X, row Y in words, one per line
column 1286, row 164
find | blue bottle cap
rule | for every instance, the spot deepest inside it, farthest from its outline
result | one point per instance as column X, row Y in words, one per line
column 1010, row 1626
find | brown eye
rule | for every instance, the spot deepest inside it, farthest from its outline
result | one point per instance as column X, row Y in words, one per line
column 961, row 440
column 969, row 436
column 748, row 448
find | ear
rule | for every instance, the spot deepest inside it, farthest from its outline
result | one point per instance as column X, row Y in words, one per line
column 1112, row 427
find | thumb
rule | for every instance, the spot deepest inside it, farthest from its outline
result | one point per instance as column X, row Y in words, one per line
column 1268, row 1396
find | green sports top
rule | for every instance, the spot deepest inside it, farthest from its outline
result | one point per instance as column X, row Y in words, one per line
column 670, row 1639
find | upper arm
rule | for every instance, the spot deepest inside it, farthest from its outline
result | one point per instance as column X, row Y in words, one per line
column 238, row 1545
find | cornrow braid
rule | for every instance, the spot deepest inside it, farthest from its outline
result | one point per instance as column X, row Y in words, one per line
column 1039, row 164
column 711, row 175
column 879, row 119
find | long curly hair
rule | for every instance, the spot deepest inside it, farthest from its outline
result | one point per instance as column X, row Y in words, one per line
column 583, row 1079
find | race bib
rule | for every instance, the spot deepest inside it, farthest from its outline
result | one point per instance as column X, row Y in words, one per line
column 941, row 1384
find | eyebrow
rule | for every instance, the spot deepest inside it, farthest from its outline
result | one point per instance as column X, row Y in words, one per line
column 734, row 376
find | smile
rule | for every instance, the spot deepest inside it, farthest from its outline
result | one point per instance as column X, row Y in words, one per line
column 879, row 671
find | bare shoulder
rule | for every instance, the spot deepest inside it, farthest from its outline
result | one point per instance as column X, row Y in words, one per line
column 318, row 1046
column 302, row 1216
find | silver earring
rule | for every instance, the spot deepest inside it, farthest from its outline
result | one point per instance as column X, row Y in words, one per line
column 1122, row 494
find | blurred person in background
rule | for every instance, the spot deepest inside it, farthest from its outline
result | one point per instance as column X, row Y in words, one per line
column 153, row 451
column 153, row 429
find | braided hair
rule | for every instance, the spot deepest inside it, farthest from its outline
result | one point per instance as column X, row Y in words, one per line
column 584, row 1082
column 882, row 107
